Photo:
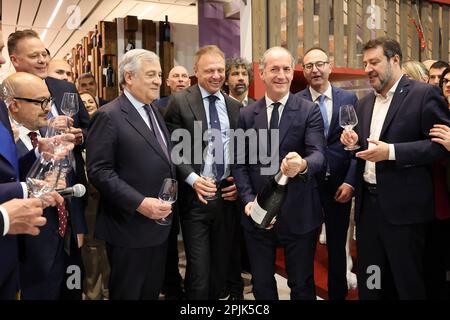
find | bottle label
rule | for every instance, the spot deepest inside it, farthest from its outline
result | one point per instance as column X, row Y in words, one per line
column 257, row 213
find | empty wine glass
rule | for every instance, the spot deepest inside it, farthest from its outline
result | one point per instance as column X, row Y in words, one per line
column 57, row 126
column 168, row 194
column 69, row 105
column 348, row 120
column 43, row 176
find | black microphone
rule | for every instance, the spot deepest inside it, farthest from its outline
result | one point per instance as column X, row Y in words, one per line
column 76, row 191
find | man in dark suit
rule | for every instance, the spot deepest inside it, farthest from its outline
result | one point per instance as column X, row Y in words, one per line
column 394, row 190
column 301, row 146
column 336, row 184
column 129, row 185
column 86, row 82
column 238, row 76
column 206, row 225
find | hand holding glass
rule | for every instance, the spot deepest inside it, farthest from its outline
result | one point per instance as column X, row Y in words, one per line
column 43, row 175
column 168, row 194
column 348, row 120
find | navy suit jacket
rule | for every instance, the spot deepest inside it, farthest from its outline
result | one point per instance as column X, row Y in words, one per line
column 301, row 131
column 57, row 89
column 126, row 164
column 405, row 186
column 340, row 162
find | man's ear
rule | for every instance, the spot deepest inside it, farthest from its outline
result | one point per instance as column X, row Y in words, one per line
column 13, row 107
column 127, row 77
column 13, row 59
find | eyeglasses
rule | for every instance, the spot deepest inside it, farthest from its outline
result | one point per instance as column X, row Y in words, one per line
column 43, row 103
column 318, row 64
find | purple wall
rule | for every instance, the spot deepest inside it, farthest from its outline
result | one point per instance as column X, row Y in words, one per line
column 215, row 29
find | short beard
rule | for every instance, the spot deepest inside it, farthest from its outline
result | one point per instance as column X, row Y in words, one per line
column 384, row 82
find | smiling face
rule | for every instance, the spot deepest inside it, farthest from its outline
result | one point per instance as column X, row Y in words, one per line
column 210, row 72
column 30, row 56
column 317, row 77
column 145, row 83
column 382, row 72
column 277, row 74
column 89, row 103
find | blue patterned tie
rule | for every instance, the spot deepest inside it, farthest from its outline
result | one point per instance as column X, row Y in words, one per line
column 323, row 111
column 214, row 123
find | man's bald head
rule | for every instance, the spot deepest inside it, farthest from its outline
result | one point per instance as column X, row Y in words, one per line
column 60, row 69
column 27, row 99
column 178, row 79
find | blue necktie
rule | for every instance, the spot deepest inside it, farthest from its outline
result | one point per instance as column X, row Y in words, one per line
column 214, row 123
column 323, row 111
column 155, row 130
column 8, row 148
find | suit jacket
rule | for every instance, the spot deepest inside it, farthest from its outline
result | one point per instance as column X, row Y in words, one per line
column 301, row 131
column 405, row 186
column 340, row 162
column 57, row 89
column 183, row 109
column 126, row 164
column 102, row 102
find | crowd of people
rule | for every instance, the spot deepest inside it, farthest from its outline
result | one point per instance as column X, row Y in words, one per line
column 122, row 151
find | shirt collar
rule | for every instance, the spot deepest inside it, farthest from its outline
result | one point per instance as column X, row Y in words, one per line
column 244, row 101
column 315, row 94
column 391, row 90
column 23, row 131
column 206, row 94
column 135, row 102
column 282, row 100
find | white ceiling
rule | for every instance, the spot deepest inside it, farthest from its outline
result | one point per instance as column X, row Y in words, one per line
column 61, row 35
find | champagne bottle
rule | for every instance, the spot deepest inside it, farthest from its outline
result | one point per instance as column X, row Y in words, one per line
column 268, row 202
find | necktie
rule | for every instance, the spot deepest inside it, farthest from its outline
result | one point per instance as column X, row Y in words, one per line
column 62, row 218
column 214, row 123
column 33, row 138
column 273, row 125
column 156, row 131
column 323, row 111
column 8, row 148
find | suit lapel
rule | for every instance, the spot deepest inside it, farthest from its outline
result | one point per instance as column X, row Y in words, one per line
column 56, row 94
column 135, row 120
column 334, row 111
column 288, row 115
column 397, row 99
column 261, row 115
column 233, row 113
column 195, row 102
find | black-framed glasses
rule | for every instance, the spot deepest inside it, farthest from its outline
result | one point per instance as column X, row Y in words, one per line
column 318, row 64
column 44, row 102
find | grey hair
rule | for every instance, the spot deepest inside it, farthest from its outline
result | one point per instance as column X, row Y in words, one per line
column 131, row 62
column 263, row 61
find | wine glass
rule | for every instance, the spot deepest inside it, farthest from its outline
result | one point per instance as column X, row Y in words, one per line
column 57, row 126
column 168, row 194
column 43, row 176
column 209, row 173
column 69, row 105
column 348, row 120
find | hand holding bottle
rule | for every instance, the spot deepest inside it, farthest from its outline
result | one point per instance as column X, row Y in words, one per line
column 293, row 164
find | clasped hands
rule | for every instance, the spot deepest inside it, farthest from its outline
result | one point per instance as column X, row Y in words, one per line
column 205, row 188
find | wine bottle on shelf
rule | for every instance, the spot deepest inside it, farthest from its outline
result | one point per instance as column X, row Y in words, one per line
column 268, row 202
column 165, row 32
column 109, row 76
column 94, row 36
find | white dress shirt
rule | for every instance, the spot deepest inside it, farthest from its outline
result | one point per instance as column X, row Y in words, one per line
column 379, row 113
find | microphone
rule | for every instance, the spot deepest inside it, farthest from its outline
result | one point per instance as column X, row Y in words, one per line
column 76, row 191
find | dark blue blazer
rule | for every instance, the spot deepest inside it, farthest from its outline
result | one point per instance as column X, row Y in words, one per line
column 405, row 186
column 340, row 162
column 301, row 131
column 57, row 89
column 126, row 164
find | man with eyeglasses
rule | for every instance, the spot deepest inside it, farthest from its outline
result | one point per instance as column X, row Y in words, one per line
column 28, row 54
column 337, row 180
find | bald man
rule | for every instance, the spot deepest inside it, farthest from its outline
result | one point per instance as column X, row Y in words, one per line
column 177, row 80
column 60, row 69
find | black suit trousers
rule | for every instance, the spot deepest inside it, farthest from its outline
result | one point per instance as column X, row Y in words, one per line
column 207, row 238
column 337, row 216
column 299, row 253
column 136, row 273
column 397, row 251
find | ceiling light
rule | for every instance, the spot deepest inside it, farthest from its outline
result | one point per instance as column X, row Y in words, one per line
column 52, row 17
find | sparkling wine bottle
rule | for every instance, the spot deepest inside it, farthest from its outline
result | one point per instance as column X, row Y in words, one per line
column 165, row 34
column 268, row 202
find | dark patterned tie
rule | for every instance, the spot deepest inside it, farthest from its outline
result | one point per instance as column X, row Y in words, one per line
column 33, row 137
column 155, row 130
column 274, row 120
column 214, row 122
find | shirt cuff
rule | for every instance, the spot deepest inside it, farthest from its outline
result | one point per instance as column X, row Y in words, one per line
column 24, row 189
column 5, row 220
column 36, row 152
column 191, row 178
column 391, row 152
column 349, row 185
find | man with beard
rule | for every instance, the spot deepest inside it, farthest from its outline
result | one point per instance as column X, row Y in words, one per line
column 238, row 75
column 394, row 190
